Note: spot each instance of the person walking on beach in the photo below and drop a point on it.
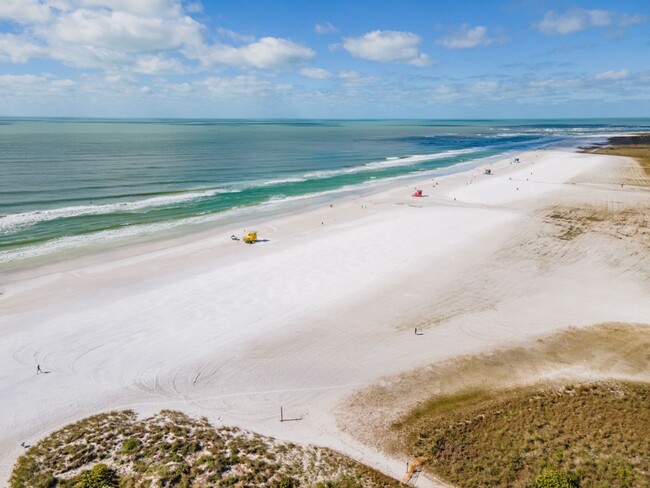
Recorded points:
(38, 369)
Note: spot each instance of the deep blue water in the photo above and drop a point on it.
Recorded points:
(70, 183)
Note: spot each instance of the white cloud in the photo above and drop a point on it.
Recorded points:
(484, 86)
(24, 11)
(388, 47)
(349, 74)
(355, 79)
(155, 8)
(316, 73)
(466, 37)
(144, 36)
(240, 86)
(576, 20)
(33, 87)
(267, 52)
(620, 74)
(538, 90)
(572, 21)
(18, 50)
(104, 34)
(234, 36)
(158, 65)
(194, 7)
(9, 80)
(326, 28)
(65, 83)
(631, 19)
(123, 31)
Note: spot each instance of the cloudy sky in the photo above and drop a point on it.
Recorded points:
(329, 58)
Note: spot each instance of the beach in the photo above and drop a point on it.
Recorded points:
(331, 300)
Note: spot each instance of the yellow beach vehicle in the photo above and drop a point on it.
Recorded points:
(250, 238)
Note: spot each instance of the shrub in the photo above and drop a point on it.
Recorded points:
(131, 445)
(286, 482)
(101, 476)
(340, 482)
(553, 478)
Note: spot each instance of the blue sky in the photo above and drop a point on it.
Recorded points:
(325, 59)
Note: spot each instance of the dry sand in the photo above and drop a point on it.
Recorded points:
(327, 305)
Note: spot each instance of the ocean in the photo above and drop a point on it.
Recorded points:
(76, 185)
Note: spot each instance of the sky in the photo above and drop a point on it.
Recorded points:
(325, 59)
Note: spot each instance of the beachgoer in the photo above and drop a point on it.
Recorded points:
(38, 369)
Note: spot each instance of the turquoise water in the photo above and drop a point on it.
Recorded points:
(70, 183)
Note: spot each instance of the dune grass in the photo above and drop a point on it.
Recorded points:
(595, 434)
(515, 415)
(170, 449)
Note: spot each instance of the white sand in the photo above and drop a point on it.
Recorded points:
(230, 331)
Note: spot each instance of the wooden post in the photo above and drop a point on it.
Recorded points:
(281, 415)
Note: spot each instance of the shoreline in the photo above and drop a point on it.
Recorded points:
(216, 328)
(175, 232)
(182, 234)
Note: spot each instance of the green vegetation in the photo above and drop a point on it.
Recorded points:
(553, 478)
(131, 445)
(341, 482)
(100, 476)
(595, 434)
(170, 449)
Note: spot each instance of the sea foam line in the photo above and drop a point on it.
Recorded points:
(12, 222)
(391, 162)
(72, 242)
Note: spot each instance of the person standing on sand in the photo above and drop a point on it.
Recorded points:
(38, 369)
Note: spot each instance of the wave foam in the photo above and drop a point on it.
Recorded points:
(392, 162)
(12, 222)
(72, 242)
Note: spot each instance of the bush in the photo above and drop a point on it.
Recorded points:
(101, 476)
(553, 478)
(131, 445)
(286, 482)
(340, 482)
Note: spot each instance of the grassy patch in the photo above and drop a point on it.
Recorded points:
(171, 449)
(595, 434)
(398, 415)
(444, 404)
